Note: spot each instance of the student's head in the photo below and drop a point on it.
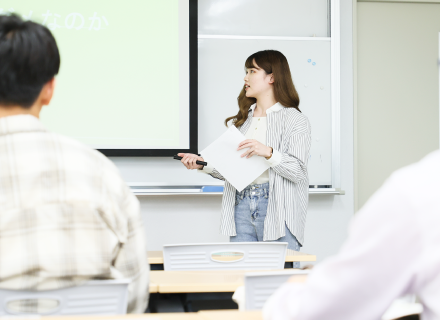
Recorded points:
(29, 60)
(267, 72)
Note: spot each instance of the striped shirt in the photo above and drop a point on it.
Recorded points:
(289, 134)
(66, 216)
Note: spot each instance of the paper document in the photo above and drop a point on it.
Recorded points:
(222, 154)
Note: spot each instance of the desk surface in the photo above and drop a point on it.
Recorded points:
(147, 316)
(202, 315)
(156, 257)
(200, 281)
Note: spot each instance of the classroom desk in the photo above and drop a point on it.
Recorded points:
(155, 258)
(194, 287)
(198, 281)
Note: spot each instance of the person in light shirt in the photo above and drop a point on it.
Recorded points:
(393, 249)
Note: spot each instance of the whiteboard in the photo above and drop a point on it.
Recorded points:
(221, 73)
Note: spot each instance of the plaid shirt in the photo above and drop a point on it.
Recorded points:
(66, 215)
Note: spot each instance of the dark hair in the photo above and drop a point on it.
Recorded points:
(271, 61)
(29, 58)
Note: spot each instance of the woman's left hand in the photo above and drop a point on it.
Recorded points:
(255, 149)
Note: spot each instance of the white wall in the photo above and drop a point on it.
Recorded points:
(178, 219)
(398, 88)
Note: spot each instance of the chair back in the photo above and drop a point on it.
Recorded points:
(98, 297)
(260, 286)
(225, 256)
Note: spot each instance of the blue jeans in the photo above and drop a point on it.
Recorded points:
(250, 212)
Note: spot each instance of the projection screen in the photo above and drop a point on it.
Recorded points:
(128, 79)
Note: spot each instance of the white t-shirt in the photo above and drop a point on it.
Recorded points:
(257, 131)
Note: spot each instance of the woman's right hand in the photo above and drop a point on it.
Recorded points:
(189, 160)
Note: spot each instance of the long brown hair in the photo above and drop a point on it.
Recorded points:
(271, 61)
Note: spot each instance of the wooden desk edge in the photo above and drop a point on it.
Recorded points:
(152, 316)
(231, 314)
(304, 258)
(155, 260)
(201, 315)
(202, 288)
(154, 288)
(299, 258)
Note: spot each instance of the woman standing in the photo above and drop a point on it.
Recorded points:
(274, 206)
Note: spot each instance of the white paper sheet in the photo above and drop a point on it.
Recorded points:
(222, 154)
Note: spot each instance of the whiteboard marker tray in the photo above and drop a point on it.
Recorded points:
(208, 190)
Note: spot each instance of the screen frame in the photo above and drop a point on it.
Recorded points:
(193, 98)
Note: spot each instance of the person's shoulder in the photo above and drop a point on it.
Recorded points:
(298, 120)
(74, 149)
(295, 114)
(79, 157)
(420, 176)
(71, 145)
(430, 164)
(410, 194)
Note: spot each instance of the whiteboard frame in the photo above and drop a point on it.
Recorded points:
(335, 36)
(335, 72)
